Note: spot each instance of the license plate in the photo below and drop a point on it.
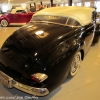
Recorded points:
(6, 80)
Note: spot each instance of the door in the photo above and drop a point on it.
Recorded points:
(12, 17)
(88, 35)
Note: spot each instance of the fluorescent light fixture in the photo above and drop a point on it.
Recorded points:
(4, 8)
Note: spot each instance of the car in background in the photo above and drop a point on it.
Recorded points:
(39, 56)
(15, 17)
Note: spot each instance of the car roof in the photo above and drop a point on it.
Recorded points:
(82, 14)
(13, 11)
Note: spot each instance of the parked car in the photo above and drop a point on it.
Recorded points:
(39, 56)
(15, 17)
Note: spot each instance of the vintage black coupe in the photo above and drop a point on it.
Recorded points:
(39, 56)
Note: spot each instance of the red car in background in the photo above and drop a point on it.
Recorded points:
(15, 17)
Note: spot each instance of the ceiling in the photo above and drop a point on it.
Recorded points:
(37, 1)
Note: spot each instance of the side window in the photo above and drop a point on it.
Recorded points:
(73, 22)
(77, 23)
(70, 21)
(20, 11)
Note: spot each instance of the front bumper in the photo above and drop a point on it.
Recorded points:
(10, 83)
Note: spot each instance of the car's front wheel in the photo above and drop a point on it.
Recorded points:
(75, 64)
(4, 22)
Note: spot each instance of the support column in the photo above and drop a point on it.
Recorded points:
(41, 2)
(35, 6)
(69, 2)
(51, 3)
(83, 3)
(30, 5)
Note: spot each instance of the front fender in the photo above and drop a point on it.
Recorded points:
(6, 18)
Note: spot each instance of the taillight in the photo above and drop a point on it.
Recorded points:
(39, 77)
(35, 79)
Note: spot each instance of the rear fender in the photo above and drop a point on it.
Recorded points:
(59, 66)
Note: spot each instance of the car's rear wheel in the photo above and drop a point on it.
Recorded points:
(4, 22)
(75, 65)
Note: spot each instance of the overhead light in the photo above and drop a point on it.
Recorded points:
(4, 8)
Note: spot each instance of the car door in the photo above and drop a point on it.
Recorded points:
(12, 18)
(29, 16)
(21, 16)
(88, 35)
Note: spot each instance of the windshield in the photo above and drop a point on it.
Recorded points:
(56, 19)
(49, 18)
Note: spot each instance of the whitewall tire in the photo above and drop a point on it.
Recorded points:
(4, 23)
(75, 65)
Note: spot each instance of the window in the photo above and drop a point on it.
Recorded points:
(87, 4)
(79, 4)
(20, 11)
(72, 22)
(54, 19)
(97, 5)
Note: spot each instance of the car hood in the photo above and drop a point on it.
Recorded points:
(5, 14)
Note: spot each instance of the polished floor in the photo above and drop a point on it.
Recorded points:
(84, 86)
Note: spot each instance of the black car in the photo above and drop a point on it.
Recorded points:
(39, 56)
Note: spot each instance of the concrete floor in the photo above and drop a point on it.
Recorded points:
(84, 86)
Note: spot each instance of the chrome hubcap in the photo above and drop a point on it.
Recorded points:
(4, 23)
(76, 63)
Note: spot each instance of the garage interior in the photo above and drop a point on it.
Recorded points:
(84, 86)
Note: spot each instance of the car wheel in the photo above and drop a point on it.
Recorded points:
(4, 23)
(96, 39)
(75, 65)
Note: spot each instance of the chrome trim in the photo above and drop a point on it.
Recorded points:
(6, 80)
(25, 88)
(31, 90)
(17, 23)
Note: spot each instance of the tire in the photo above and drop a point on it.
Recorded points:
(75, 65)
(4, 23)
(96, 39)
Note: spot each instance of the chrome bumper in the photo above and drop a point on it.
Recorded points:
(10, 83)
